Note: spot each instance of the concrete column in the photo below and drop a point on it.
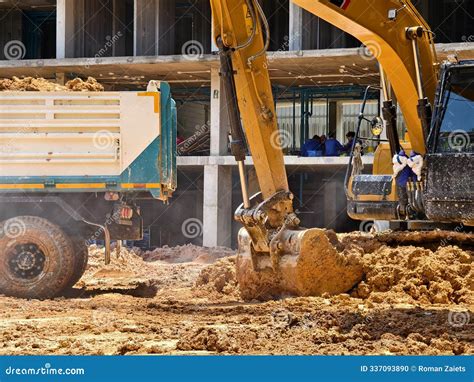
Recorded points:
(64, 28)
(217, 209)
(332, 128)
(214, 47)
(219, 116)
(296, 28)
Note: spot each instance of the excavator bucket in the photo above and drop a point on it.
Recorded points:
(308, 265)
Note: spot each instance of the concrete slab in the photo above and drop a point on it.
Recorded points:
(295, 68)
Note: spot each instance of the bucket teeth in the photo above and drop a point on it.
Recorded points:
(312, 266)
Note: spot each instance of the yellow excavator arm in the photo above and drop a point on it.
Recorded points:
(276, 256)
(238, 30)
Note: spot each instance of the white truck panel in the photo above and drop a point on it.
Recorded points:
(74, 134)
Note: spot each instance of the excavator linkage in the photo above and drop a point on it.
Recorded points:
(308, 265)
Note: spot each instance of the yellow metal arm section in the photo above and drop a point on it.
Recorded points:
(368, 21)
(240, 28)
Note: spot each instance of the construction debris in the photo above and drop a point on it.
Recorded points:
(42, 85)
(185, 300)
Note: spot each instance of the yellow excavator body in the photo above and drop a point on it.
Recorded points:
(276, 256)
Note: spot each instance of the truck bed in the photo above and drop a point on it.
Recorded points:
(88, 141)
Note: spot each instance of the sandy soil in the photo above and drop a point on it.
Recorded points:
(41, 84)
(185, 300)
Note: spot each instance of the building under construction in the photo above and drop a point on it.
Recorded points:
(318, 74)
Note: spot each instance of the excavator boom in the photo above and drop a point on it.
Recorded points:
(276, 256)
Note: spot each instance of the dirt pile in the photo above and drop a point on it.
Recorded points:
(42, 85)
(89, 85)
(187, 253)
(408, 274)
(219, 277)
(169, 301)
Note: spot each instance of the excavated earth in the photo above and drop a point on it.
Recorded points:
(39, 84)
(185, 300)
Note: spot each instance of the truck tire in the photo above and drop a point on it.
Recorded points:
(81, 257)
(36, 258)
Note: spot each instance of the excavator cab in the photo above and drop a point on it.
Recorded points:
(450, 156)
(444, 194)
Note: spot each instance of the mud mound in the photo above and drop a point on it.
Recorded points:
(42, 85)
(408, 273)
(123, 260)
(206, 339)
(219, 277)
(90, 85)
(126, 270)
(29, 84)
(188, 253)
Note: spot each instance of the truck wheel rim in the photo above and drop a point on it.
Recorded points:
(26, 261)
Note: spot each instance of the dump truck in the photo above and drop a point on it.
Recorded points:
(72, 167)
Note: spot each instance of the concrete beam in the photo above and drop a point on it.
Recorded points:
(64, 28)
(289, 161)
(217, 208)
(219, 116)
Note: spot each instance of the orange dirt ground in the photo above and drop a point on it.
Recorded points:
(185, 300)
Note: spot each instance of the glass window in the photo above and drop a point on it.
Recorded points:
(457, 123)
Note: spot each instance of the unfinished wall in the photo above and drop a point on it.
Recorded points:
(318, 34)
(278, 15)
(10, 28)
(193, 23)
(101, 28)
(450, 20)
(154, 27)
(191, 115)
